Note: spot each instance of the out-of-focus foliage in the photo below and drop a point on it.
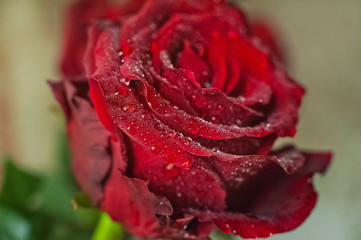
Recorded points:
(40, 207)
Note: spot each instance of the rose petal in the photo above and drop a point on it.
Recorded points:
(272, 202)
(196, 187)
(78, 18)
(266, 33)
(122, 192)
(89, 140)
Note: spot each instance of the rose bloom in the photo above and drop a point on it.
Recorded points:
(172, 108)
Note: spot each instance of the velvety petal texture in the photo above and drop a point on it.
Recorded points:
(172, 109)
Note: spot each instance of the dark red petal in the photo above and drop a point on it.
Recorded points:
(197, 187)
(61, 97)
(183, 122)
(212, 104)
(240, 146)
(89, 140)
(118, 106)
(189, 60)
(204, 101)
(78, 16)
(121, 192)
(289, 159)
(130, 114)
(288, 98)
(272, 202)
(267, 35)
(257, 92)
(217, 60)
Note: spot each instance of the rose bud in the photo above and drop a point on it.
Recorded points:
(172, 109)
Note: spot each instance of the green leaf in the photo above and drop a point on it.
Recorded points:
(108, 229)
(82, 200)
(13, 226)
(18, 187)
(41, 206)
(218, 235)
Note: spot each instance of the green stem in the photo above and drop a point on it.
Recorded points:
(107, 229)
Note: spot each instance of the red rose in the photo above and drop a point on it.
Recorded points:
(186, 101)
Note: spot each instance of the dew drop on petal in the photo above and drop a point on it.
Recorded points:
(121, 92)
(131, 130)
(128, 108)
(214, 120)
(154, 149)
(171, 171)
(172, 134)
(207, 84)
(239, 122)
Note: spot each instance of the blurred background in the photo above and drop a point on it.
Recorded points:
(322, 40)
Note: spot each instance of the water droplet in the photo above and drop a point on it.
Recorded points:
(171, 171)
(131, 130)
(207, 84)
(172, 134)
(154, 149)
(220, 107)
(239, 179)
(179, 195)
(214, 120)
(128, 108)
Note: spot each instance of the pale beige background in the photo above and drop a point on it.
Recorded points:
(323, 39)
